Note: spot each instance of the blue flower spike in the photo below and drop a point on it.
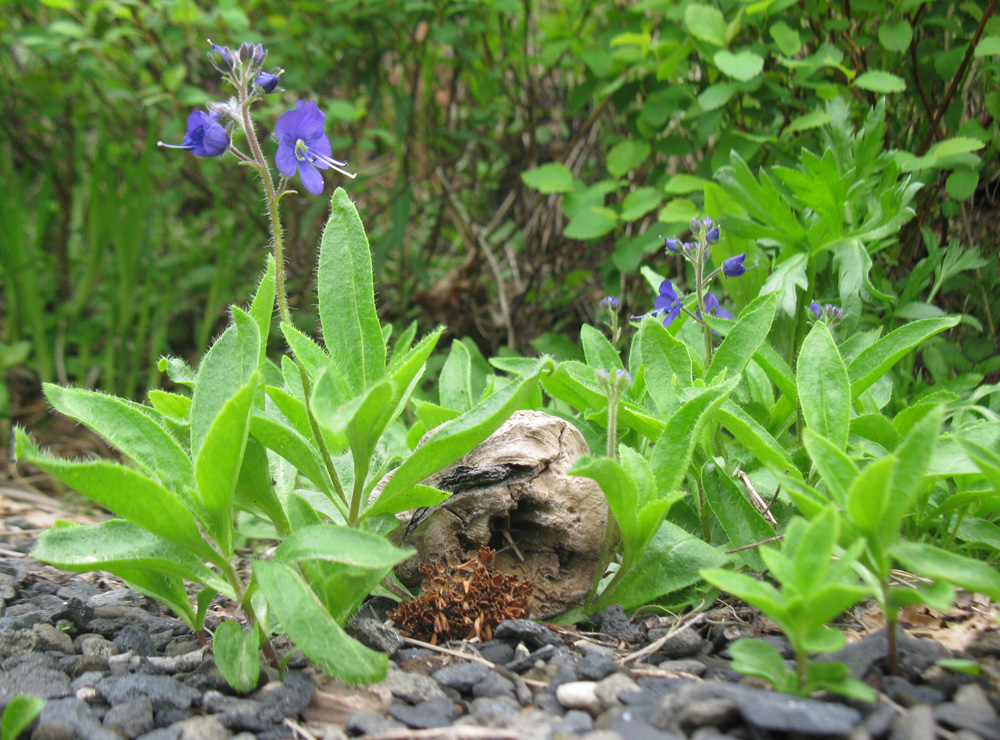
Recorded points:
(304, 146)
(733, 267)
(205, 137)
(827, 312)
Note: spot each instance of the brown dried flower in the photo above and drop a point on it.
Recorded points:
(462, 600)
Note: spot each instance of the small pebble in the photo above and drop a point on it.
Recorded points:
(916, 723)
(609, 689)
(580, 695)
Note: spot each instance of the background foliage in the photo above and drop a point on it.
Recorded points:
(516, 160)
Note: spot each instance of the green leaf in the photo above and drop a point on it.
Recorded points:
(683, 183)
(906, 483)
(744, 338)
(313, 357)
(166, 589)
(880, 82)
(811, 559)
(255, 491)
(823, 385)
(118, 544)
(455, 438)
(706, 24)
(672, 453)
(678, 210)
(130, 428)
(639, 202)
(236, 656)
(928, 561)
(293, 447)
(622, 494)
(627, 155)
(226, 369)
(895, 36)
(806, 121)
(664, 358)
(962, 183)
(455, 381)
(126, 492)
(762, 595)
(339, 544)
(715, 96)
(869, 495)
(598, 350)
(172, 406)
(262, 307)
(220, 458)
(19, 713)
(755, 438)
(988, 46)
(786, 38)
(672, 560)
(552, 177)
(761, 660)
(591, 223)
(742, 523)
(836, 469)
(313, 629)
(873, 362)
(351, 329)
(743, 65)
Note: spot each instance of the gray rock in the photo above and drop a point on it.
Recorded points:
(574, 722)
(687, 665)
(982, 722)
(461, 676)
(51, 638)
(286, 699)
(903, 692)
(615, 623)
(493, 686)
(163, 691)
(412, 687)
(77, 589)
(59, 714)
(683, 644)
(439, 712)
(609, 689)
(34, 675)
(496, 651)
(374, 634)
(972, 695)
(136, 639)
(523, 663)
(117, 597)
(532, 634)
(90, 678)
(23, 616)
(16, 641)
(133, 718)
(720, 712)
(97, 647)
(8, 587)
(879, 721)
(915, 654)
(916, 723)
(488, 712)
(594, 666)
(236, 714)
(370, 723)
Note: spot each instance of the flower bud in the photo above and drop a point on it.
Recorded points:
(673, 245)
(733, 267)
(712, 236)
(268, 81)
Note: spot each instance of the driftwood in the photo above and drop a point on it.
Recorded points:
(512, 494)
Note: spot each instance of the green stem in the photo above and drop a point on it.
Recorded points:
(278, 239)
(699, 270)
(801, 664)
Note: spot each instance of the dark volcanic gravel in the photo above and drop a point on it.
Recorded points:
(112, 664)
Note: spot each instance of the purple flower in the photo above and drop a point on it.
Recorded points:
(827, 312)
(268, 81)
(228, 59)
(610, 303)
(667, 302)
(712, 235)
(712, 307)
(205, 137)
(815, 308)
(733, 267)
(304, 146)
(673, 245)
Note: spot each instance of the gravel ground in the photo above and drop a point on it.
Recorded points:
(112, 664)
